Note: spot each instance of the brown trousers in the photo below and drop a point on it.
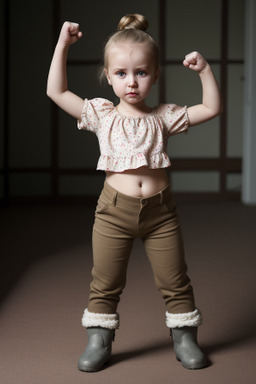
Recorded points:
(119, 219)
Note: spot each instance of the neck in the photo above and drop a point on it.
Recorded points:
(133, 109)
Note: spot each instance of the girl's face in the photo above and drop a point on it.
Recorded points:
(131, 71)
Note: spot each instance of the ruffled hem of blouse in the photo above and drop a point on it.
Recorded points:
(121, 164)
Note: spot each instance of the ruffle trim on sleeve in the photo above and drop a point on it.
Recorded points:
(175, 117)
(92, 112)
(121, 164)
(81, 124)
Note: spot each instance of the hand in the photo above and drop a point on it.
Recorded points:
(70, 33)
(195, 61)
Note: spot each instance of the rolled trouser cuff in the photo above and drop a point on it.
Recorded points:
(103, 320)
(189, 319)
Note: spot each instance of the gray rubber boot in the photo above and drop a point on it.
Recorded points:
(98, 350)
(186, 348)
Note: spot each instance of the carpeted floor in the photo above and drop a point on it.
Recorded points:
(46, 262)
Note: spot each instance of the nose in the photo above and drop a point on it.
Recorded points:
(132, 81)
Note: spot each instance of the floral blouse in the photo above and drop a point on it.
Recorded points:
(131, 142)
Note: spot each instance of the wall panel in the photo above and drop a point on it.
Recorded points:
(236, 17)
(2, 82)
(184, 88)
(49, 157)
(30, 184)
(81, 185)
(193, 26)
(234, 182)
(29, 109)
(235, 110)
(99, 19)
(195, 181)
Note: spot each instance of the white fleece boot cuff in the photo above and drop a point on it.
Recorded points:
(189, 319)
(109, 321)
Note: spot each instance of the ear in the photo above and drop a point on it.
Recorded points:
(107, 76)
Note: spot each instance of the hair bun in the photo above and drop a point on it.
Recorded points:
(133, 21)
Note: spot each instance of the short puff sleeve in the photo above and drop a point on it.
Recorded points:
(175, 118)
(92, 113)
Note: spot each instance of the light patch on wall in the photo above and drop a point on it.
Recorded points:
(234, 182)
(195, 181)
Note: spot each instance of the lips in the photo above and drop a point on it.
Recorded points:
(132, 94)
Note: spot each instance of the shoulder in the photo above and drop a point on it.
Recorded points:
(171, 112)
(93, 112)
(169, 109)
(175, 118)
(98, 104)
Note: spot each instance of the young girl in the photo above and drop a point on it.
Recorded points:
(136, 200)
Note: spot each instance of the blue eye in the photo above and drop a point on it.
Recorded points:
(141, 73)
(120, 74)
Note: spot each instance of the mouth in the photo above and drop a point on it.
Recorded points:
(132, 94)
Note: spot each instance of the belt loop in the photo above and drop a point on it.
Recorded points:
(161, 197)
(115, 199)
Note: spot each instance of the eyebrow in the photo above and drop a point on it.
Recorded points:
(136, 68)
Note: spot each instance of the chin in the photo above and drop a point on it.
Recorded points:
(133, 100)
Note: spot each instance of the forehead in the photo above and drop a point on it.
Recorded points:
(128, 52)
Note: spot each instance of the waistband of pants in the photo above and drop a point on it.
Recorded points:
(118, 198)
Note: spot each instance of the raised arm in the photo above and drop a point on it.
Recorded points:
(57, 84)
(211, 100)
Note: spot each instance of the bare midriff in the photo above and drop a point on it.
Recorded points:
(141, 182)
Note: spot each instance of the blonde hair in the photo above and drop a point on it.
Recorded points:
(133, 21)
(131, 27)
